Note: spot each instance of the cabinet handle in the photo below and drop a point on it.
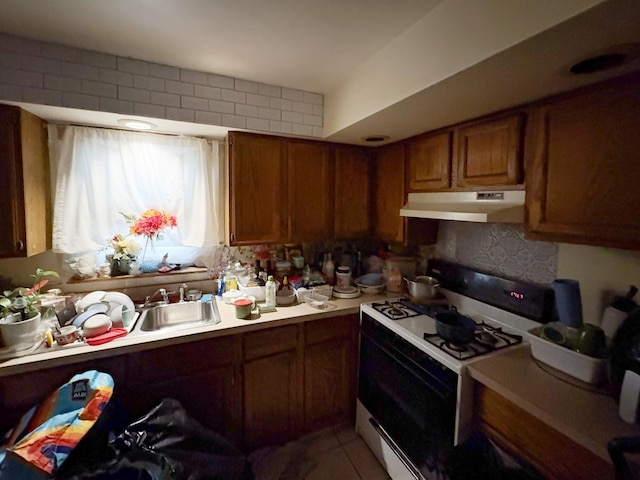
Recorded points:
(20, 245)
(232, 237)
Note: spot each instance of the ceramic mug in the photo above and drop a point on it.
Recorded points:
(591, 340)
(243, 308)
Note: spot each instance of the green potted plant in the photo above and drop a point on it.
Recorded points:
(20, 317)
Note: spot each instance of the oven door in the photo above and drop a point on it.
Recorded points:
(411, 397)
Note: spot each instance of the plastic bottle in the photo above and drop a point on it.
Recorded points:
(270, 292)
(231, 282)
(328, 269)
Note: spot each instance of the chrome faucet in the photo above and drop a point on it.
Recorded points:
(183, 288)
(162, 292)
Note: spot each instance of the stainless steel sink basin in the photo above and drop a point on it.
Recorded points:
(177, 316)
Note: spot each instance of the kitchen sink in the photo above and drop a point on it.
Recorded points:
(174, 316)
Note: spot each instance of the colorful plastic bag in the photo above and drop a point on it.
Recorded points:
(45, 436)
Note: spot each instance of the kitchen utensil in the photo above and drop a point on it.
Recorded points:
(583, 367)
(243, 307)
(568, 301)
(591, 340)
(121, 316)
(285, 297)
(454, 327)
(107, 337)
(553, 334)
(90, 298)
(423, 287)
(371, 283)
(346, 292)
(67, 334)
(193, 295)
(615, 313)
(316, 300)
(96, 325)
(82, 317)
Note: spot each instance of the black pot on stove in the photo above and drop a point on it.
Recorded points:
(454, 327)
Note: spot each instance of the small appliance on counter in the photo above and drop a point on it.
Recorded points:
(625, 367)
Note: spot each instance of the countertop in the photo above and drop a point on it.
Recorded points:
(230, 325)
(590, 419)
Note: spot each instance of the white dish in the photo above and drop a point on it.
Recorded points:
(96, 325)
(588, 369)
(90, 298)
(346, 292)
(117, 298)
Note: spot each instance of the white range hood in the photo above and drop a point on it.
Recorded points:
(505, 207)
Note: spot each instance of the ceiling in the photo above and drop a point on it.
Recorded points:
(370, 58)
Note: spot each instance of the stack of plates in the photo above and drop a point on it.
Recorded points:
(346, 292)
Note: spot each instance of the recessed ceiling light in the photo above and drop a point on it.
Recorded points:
(605, 59)
(136, 124)
(376, 138)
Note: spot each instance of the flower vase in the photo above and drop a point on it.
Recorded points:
(147, 267)
(123, 266)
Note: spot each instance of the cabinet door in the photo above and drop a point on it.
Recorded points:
(583, 169)
(272, 386)
(352, 193)
(271, 390)
(527, 437)
(330, 360)
(257, 188)
(24, 184)
(201, 375)
(389, 193)
(429, 160)
(310, 201)
(490, 153)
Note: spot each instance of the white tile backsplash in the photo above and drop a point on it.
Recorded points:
(52, 74)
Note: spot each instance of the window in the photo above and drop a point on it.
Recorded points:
(98, 174)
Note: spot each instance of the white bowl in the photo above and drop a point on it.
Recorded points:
(371, 283)
(96, 325)
(285, 298)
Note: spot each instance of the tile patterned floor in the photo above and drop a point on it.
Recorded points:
(332, 454)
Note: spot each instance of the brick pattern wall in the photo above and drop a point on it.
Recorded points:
(51, 74)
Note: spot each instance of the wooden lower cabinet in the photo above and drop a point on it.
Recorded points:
(271, 386)
(521, 434)
(330, 368)
(259, 388)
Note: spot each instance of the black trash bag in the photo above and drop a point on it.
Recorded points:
(167, 444)
(480, 459)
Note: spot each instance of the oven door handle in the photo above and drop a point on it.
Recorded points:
(399, 453)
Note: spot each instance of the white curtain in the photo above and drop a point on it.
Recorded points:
(99, 173)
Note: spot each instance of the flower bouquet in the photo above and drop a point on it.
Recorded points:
(125, 249)
(150, 224)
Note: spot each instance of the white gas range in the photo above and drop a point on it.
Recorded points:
(415, 399)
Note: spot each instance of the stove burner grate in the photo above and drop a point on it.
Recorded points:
(479, 345)
(394, 310)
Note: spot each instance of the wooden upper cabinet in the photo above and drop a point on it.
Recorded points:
(310, 200)
(389, 193)
(429, 159)
(24, 184)
(583, 168)
(490, 153)
(257, 188)
(352, 192)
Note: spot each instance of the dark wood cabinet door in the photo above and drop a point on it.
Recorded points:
(271, 399)
(389, 193)
(583, 168)
(527, 437)
(490, 153)
(429, 159)
(257, 188)
(310, 203)
(24, 184)
(330, 366)
(352, 192)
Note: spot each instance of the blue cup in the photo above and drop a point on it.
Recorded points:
(568, 302)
